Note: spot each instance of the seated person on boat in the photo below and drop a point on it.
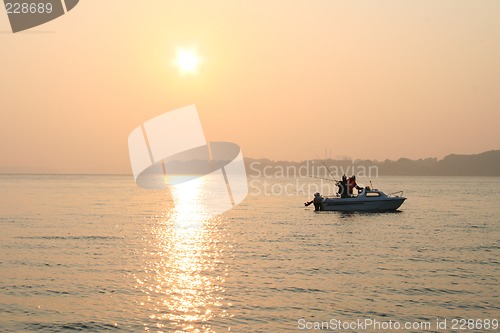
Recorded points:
(318, 199)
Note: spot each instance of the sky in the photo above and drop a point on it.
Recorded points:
(286, 80)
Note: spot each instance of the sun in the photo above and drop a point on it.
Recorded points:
(187, 61)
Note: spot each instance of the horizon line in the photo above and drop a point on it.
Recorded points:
(52, 172)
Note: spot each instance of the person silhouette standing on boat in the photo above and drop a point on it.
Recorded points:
(343, 187)
(352, 184)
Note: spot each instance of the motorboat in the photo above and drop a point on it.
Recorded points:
(367, 200)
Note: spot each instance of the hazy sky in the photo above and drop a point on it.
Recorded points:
(283, 79)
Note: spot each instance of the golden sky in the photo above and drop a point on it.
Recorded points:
(283, 79)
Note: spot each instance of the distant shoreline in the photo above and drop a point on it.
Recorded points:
(486, 164)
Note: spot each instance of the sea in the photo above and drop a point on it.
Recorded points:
(97, 253)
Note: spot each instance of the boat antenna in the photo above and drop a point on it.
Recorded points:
(327, 168)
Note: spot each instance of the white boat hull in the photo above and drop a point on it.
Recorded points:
(353, 205)
(366, 201)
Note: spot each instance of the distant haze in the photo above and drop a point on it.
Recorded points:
(286, 80)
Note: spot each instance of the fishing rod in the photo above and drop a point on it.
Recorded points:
(331, 175)
(327, 168)
(330, 180)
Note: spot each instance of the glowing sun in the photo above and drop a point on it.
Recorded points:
(187, 60)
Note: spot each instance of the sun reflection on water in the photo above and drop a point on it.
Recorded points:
(185, 272)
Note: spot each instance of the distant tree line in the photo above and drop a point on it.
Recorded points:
(483, 164)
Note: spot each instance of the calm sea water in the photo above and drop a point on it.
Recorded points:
(98, 253)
